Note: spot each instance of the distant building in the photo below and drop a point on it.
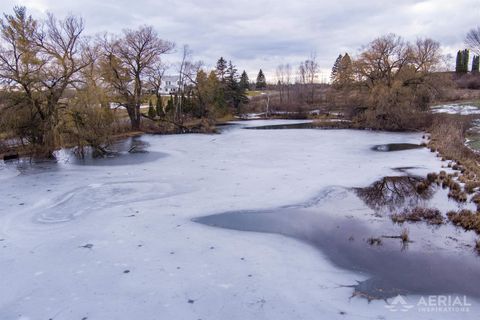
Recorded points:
(170, 85)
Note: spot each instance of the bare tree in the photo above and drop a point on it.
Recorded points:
(473, 39)
(302, 74)
(311, 74)
(183, 75)
(280, 73)
(307, 74)
(155, 75)
(126, 62)
(288, 79)
(426, 55)
(382, 59)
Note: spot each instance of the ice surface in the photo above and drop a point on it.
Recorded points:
(456, 109)
(117, 242)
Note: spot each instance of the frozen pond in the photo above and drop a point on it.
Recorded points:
(89, 240)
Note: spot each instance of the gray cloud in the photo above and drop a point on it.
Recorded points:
(264, 33)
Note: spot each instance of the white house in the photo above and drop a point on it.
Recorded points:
(170, 84)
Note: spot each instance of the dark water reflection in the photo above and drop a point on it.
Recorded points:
(129, 151)
(304, 125)
(391, 270)
(396, 147)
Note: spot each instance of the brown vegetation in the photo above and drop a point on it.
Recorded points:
(448, 138)
(466, 219)
(395, 82)
(417, 214)
(404, 236)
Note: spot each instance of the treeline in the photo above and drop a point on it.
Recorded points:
(390, 84)
(60, 87)
(295, 89)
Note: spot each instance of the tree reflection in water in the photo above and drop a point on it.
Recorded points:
(395, 192)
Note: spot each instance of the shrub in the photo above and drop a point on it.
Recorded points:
(432, 177)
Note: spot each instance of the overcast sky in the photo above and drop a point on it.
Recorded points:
(264, 33)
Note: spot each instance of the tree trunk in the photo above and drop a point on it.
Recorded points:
(134, 115)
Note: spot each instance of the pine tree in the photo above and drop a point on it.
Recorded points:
(261, 83)
(234, 94)
(345, 70)
(244, 81)
(458, 65)
(335, 69)
(159, 107)
(151, 110)
(231, 75)
(221, 69)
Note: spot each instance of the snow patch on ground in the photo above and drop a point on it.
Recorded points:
(456, 109)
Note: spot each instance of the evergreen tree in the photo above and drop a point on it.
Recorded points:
(463, 57)
(151, 110)
(234, 93)
(465, 60)
(215, 93)
(476, 64)
(335, 69)
(346, 70)
(170, 104)
(342, 71)
(221, 69)
(261, 83)
(159, 107)
(458, 65)
(244, 81)
(231, 75)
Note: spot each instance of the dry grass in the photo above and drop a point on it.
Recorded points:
(466, 219)
(476, 199)
(429, 215)
(404, 236)
(471, 186)
(448, 137)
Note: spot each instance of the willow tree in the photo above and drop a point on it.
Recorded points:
(126, 62)
(399, 79)
(40, 60)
